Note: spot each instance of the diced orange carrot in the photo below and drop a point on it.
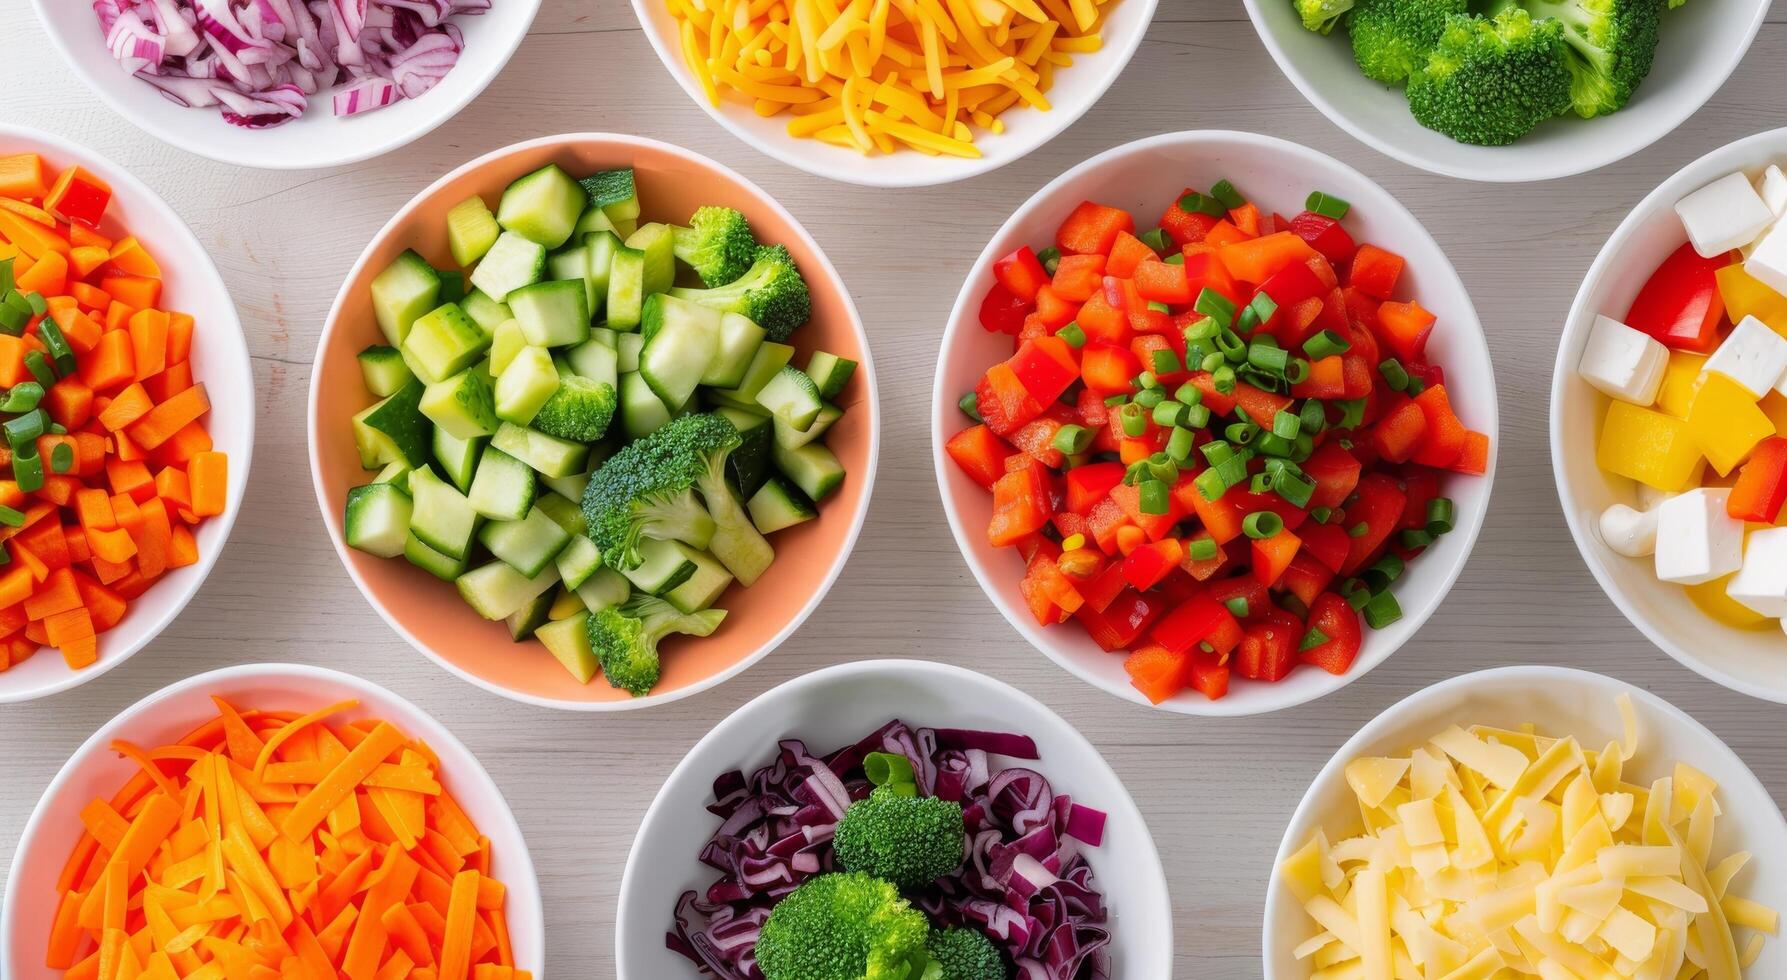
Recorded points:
(80, 330)
(180, 330)
(149, 341)
(16, 585)
(117, 316)
(172, 486)
(22, 176)
(12, 361)
(32, 238)
(57, 593)
(138, 291)
(127, 407)
(129, 256)
(81, 236)
(48, 275)
(69, 402)
(170, 417)
(105, 606)
(183, 549)
(170, 382)
(131, 478)
(185, 444)
(208, 480)
(111, 363)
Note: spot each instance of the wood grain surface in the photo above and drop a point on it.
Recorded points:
(1216, 793)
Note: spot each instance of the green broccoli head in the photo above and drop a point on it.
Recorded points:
(717, 244)
(965, 954)
(908, 840)
(579, 410)
(647, 490)
(1490, 81)
(625, 638)
(1612, 44)
(1392, 37)
(771, 293)
(1321, 15)
(843, 927)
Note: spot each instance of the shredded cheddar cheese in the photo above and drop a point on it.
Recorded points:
(1490, 854)
(880, 75)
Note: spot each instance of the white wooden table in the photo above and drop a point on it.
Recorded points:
(1216, 793)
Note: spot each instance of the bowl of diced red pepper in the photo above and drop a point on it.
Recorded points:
(1214, 423)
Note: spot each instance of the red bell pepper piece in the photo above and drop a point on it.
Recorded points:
(1271, 556)
(1327, 379)
(1340, 624)
(1021, 505)
(1046, 367)
(1156, 526)
(1374, 271)
(1292, 285)
(1326, 543)
(1185, 226)
(1404, 328)
(1002, 311)
(1418, 486)
(1077, 277)
(1761, 486)
(1268, 650)
(1203, 270)
(1241, 586)
(1057, 586)
(1103, 322)
(1248, 502)
(1118, 625)
(1092, 228)
(1102, 589)
(1680, 304)
(1031, 545)
(1146, 345)
(1202, 569)
(1037, 436)
(1443, 440)
(1021, 272)
(1378, 507)
(1127, 252)
(1305, 577)
(1003, 400)
(1042, 608)
(78, 196)
(981, 454)
(1088, 484)
(1221, 517)
(1247, 218)
(1195, 621)
(1400, 432)
(1209, 675)
(1475, 458)
(1147, 565)
(1325, 235)
(1217, 402)
(1108, 369)
(1260, 405)
(1160, 282)
(1054, 310)
(1157, 672)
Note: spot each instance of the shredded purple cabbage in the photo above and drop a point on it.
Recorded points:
(259, 61)
(1025, 884)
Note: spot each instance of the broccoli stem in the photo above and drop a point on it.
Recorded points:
(735, 541)
(680, 517)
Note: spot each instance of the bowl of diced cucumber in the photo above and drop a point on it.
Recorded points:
(593, 422)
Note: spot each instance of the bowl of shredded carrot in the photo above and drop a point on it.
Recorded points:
(895, 93)
(272, 821)
(118, 482)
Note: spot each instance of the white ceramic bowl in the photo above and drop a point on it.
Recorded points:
(1749, 661)
(1143, 177)
(839, 705)
(220, 360)
(1560, 701)
(314, 140)
(1075, 91)
(1701, 45)
(168, 714)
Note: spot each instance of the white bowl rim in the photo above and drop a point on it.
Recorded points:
(1587, 540)
(865, 370)
(1512, 169)
(124, 182)
(1391, 716)
(960, 318)
(438, 734)
(939, 673)
(362, 151)
(875, 171)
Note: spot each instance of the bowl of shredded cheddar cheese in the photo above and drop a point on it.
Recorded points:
(895, 93)
(1530, 821)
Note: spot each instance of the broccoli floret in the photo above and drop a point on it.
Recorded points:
(625, 638)
(1392, 37)
(717, 244)
(1320, 16)
(646, 490)
(1491, 81)
(771, 293)
(1612, 44)
(843, 927)
(965, 954)
(908, 840)
(579, 410)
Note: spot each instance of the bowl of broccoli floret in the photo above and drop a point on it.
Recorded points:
(1507, 90)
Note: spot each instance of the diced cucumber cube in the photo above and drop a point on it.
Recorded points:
(403, 291)
(571, 264)
(594, 221)
(703, 587)
(812, 468)
(655, 240)
(641, 413)
(792, 397)
(681, 339)
(596, 361)
(580, 559)
(605, 588)
(525, 384)
(458, 458)
(487, 313)
(728, 398)
(571, 487)
(663, 566)
(779, 504)
(748, 465)
(599, 249)
(462, 405)
(738, 343)
(768, 362)
(548, 455)
(377, 519)
(396, 473)
(614, 192)
(505, 343)
(495, 591)
(627, 347)
(788, 437)
(565, 604)
(830, 372)
(568, 642)
(504, 487)
(441, 517)
(513, 262)
(383, 369)
(524, 621)
(401, 421)
(527, 545)
(563, 511)
(452, 285)
(543, 206)
(376, 448)
(471, 230)
(552, 314)
(626, 288)
(443, 342)
(443, 567)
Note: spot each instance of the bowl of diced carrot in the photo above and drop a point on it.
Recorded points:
(118, 483)
(272, 820)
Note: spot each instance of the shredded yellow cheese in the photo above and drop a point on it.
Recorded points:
(1489, 854)
(880, 75)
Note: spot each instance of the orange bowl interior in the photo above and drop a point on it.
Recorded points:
(672, 183)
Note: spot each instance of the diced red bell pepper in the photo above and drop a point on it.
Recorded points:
(1209, 675)
(78, 196)
(981, 454)
(1041, 607)
(1293, 284)
(1680, 304)
(1326, 379)
(1093, 411)
(1077, 277)
(1003, 400)
(1333, 315)
(1037, 436)
(1248, 501)
(1475, 458)
(1067, 523)
(1260, 405)
(1046, 367)
(1400, 432)
(1271, 556)
(1092, 228)
(1443, 440)
(1356, 376)
(1326, 543)
(1185, 226)
(1200, 619)
(1144, 567)
(1021, 505)
(1338, 621)
(1306, 577)
(1203, 270)
(1003, 311)
(1202, 569)
(1034, 328)
(1247, 218)
(1215, 400)
(1058, 587)
(1374, 271)
(1088, 484)
(1108, 368)
(1021, 272)
(1146, 345)
(1292, 325)
(1161, 282)
(1117, 626)
(1418, 487)
(1221, 517)
(1156, 526)
(1054, 310)
(1157, 672)
(1241, 586)
(1404, 328)
(1761, 486)
(1378, 507)
(1105, 519)
(1325, 235)
(1104, 323)
(1268, 650)
(1127, 252)
(1324, 272)
(1104, 587)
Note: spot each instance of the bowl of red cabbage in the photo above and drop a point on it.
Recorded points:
(900, 820)
(287, 84)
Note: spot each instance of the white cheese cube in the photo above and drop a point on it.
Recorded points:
(1724, 215)
(1772, 188)
(1752, 355)
(1625, 363)
(1762, 582)
(1696, 540)
(1767, 261)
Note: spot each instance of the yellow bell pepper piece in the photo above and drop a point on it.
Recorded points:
(1650, 447)
(1681, 379)
(1713, 600)
(1745, 295)
(1726, 423)
(1774, 405)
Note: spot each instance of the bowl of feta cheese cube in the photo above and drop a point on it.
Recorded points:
(1669, 416)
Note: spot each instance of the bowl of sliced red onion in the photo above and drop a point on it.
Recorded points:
(287, 84)
(1058, 872)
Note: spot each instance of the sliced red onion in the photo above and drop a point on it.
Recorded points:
(134, 44)
(364, 96)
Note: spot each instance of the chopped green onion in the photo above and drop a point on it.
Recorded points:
(1201, 549)
(888, 768)
(1146, 380)
(1261, 483)
(1262, 524)
(1262, 306)
(1133, 475)
(1326, 205)
(1215, 306)
(1073, 440)
(1202, 204)
(62, 458)
(1180, 443)
(23, 397)
(1209, 485)
(1241, 433)
(13, 518)
(1415, 386)
(1226, 193)
(1154, 498)
(1312, 418)
(1166, 362)
(1352, 413)
(1287, 424)
(1269, 359)
(1162, 468)
(1148, 398)
(1050, 258)
(1237, 606)
(970, 406)
(1312, 639)
(1232, 346)
(1304, 448)
(1325, 344)
(1133, 419)
(1074, 334)
(1394, 373)
(1274, 445)
(1320, 515)
(1159, 307)
(1114, 400)
(1203, 329)
(1358, 530)
(1196, 417)
(39, 305)
(27, 469)
(1189, 394)
(1297, 371)
(1381, 610)
(1231, 471)
(1415, 538)
(56, 345)
(1212, 361)
(1439, 516)
(1169, 414)
(1216, 452)
(58, 429)
(26, 429)
(1223, 379)
(1295, 488)
(1156, 239)
(39, 366)
(6, 280)
(1357, 598)
(1382, 572)
(1177, 258)
(15, 313)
